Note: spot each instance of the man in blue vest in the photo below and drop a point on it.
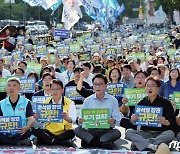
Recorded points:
(16, 105)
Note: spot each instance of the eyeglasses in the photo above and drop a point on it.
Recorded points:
(98, 84)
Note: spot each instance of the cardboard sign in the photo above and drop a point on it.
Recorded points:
(49, 112)
(71, 93)
(148, 115)
(95, 118)
(10, 124)
(27, 85)
(134, 95)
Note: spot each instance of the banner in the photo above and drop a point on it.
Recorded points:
(3, 84)
(85, 56)
(41, 50)
(49, 112)
(75, 48)
(36, 67)
(10, 124)
(28, 47)
(115, 89)
(63, 50)
(7, 59)
(71, 93)
(95, 118)
(3, 52)
(134, 95)
(27, 85)
(176, 99)
(61, 33)
(148, 115)
(17, 55)
(37, 99)
(110, 51)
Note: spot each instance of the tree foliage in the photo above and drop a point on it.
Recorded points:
(168, 5)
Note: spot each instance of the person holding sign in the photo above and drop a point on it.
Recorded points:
(16, 105)
(116, 87)
(127, 110)
(5, 72)
(173, 83)
(149, 137)
(96, 136)
(58, 133)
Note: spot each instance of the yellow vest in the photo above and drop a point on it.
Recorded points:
(58, 128)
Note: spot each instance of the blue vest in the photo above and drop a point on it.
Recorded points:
(20, 109)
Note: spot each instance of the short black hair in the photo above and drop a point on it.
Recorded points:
(141, 71)
(111, 72)
(100, 76)
(19, 68)
(127, 66)
(23, 62)
(48, 74)
(178, 78)
(156, 69)
(56, 81)
(87, 64)
(70, 60)
(161, 57)
(78, 69)
(35, 76)
(156, 80)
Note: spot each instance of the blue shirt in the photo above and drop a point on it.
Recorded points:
(163, 91)
(171, 88)
(110, 102)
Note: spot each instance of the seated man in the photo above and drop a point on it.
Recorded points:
(56, 133)
(150, 137)
(100, 137)
(16, 105)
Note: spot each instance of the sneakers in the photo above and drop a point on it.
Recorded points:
(25, 142)
(163, 149)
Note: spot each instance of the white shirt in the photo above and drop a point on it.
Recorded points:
(71, 111)
(5, 73)
(59, 76)
(68, 77)
(89, 79)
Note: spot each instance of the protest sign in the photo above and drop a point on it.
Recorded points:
(37, 99)
(17, 55)
(95, 118)
(11, 40)
(95, 48)
(63, 50)
(140, 55)
(27, 85)
(36, 67)
(85, 56)
(89, 41)
(75, 47)
(148, 115)
(3, 84)
(49, 112)
(71, 93)
(41, 50)
(61, 33)
(10, 124)
(110, 51)
(134, 95)
(115, 89)
(28, 47)
(176, 99)
(3, 52)
(20, 39)
(171, 53)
